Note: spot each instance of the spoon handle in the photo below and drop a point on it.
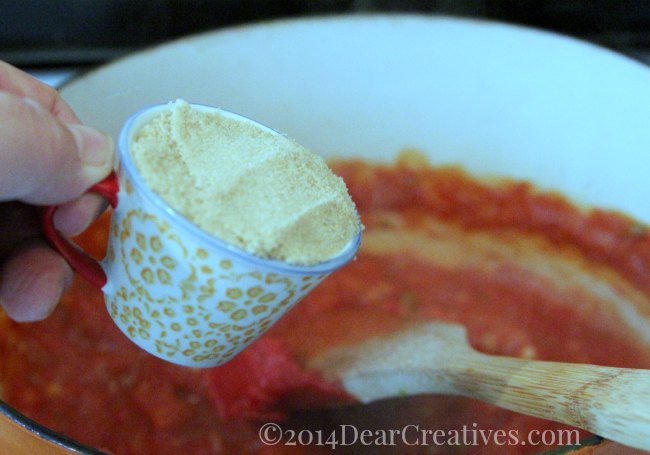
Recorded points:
(611, 402)
(436, 358)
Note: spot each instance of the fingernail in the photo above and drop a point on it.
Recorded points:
(94, 147)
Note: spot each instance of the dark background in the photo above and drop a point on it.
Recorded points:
(45, 33)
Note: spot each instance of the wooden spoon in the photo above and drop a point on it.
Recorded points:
(436, 358)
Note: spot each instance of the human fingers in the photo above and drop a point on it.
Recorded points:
(23, 85)
(32, 282)
(72, 218)
(44, 160)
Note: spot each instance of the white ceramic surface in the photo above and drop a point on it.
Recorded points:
(498, 99)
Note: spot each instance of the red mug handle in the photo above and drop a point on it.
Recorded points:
(81, 262)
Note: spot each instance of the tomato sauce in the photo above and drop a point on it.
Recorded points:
(528, 274)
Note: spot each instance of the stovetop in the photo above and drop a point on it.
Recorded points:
(55, 39)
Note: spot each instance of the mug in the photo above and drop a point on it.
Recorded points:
(175, 290)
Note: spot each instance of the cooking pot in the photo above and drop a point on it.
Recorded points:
(497, 99)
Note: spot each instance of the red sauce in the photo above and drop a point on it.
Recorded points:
(77, 374)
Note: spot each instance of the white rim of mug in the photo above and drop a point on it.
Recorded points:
(128, 166)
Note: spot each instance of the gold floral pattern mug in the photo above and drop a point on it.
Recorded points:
(175, 290)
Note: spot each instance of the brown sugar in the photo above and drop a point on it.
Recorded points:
(247, 185)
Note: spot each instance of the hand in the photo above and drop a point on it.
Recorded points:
(46, 157)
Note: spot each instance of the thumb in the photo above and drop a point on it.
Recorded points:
(45, 161)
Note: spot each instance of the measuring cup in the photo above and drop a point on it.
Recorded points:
(175, 290)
